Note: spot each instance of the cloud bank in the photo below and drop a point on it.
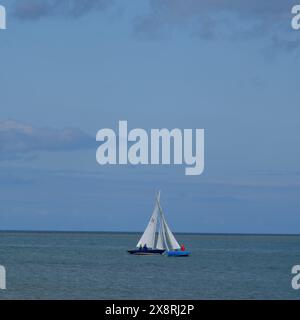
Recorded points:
(207, 19)
(204, 19)
(18, 140)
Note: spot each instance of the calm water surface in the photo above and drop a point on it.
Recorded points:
(96, 266)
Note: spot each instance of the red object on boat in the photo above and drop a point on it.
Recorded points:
(182, 247)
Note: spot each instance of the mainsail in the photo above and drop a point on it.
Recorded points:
(165, 238)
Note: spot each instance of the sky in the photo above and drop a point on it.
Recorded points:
(70, 68)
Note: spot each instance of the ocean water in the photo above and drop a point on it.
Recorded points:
(97, 266)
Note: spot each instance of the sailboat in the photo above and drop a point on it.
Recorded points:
(158, 238)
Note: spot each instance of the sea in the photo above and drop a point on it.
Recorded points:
(82, 265)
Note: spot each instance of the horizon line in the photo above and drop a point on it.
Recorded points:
(134, 232)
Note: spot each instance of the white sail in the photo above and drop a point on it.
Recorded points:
(165, 235)
(160, 243)
(148, 237)
(165, 238)
(170, 237)
(161, 239)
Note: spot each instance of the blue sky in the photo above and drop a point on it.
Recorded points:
(70, 68)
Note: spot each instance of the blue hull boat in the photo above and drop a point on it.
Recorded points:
(145, 252)
(178, 253)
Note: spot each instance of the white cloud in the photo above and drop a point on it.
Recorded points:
(17, 140)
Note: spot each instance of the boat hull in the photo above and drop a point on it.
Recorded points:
(148, 252)
(178, 253)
